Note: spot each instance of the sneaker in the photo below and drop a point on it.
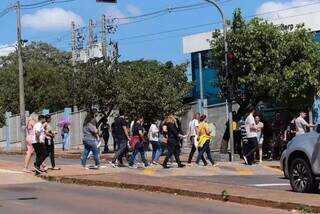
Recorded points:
(85, 168)
(181, 165)
(121, 165)
(37, 169)
(112, 164)
(165, 167)
(245, 160)
(133, 167)
(95, 167)
(155, 163)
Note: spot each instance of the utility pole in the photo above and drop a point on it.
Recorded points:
(21, 80)
(228, 75)
(104, 35)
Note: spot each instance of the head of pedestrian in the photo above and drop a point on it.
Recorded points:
(33, 117)
(121, 113)
(252, 110)
(42, 119)
(257, 119)
(48, 118)
(196, 116)
(203, 118)
(140, 119)
(303, 114)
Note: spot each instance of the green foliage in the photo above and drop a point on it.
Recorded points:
(272, 62)
(46, 77)
(152, 89)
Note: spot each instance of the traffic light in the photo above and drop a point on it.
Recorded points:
(106, 1)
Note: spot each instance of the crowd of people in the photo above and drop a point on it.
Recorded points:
(132, 140)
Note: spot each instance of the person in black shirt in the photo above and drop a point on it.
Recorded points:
(173, 143)
(104, 128)
(122, 137)
(115, 141)
(137, 142)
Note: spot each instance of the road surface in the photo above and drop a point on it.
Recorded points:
(55, 198)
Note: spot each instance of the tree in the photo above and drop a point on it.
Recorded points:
(47, 71)
(96, 84)
(271, 62)
(152, 89)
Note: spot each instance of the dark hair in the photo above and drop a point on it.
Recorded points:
(251, 109)
(48, 117)
(203, 117)
(88, 119)
(41, 117)
(121, 112)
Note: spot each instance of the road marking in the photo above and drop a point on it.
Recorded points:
(269, 185)
(149, 171)
(10, 171)
(245, 172)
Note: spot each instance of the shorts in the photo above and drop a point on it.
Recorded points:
(260, 142)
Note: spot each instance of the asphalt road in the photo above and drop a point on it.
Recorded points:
(58, 198)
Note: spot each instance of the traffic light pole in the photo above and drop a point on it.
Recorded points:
(21, 80)
(230, 93)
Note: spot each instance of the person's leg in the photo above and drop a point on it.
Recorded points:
(133, 156)
(143, 154)
(44, 153)
(53, 163)
(86, 150)
(169, 154)
(176, 153)
(37, 149)
(121, 150)
(200, 154)
(27, 160)
(260, 152)
(159, 151)
(154, 150)
(208, 151)
(252, 145)
(193, 149)
(105, 139)
(95, 152)
(115, 144)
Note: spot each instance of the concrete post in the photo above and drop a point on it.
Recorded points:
(8, 129)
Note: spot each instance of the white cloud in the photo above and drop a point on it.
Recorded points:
(51, 19)
(133, 10)
(5, 50)
(303, 11)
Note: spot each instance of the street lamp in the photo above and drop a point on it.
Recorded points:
(229, 97)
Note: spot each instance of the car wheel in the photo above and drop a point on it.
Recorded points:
(301, 177)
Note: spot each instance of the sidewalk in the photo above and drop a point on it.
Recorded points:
(174, 181)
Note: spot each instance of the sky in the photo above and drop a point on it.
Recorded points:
(52, 23)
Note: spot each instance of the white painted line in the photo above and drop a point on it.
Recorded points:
(10, 171)
(269, 185)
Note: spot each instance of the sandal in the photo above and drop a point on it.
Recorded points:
(55, 168)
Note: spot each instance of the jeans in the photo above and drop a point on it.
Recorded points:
(138, 149)
(156, 150)
(66, 141)
(90, 146)
(121, 150)
(41, 153)
(249, 149)
(193, 150)
(205, 149)
(106, 140)
(50, 151)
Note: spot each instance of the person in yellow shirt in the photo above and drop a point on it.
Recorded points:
(204, 140)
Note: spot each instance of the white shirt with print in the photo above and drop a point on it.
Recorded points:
(248, 123)
(39, 128)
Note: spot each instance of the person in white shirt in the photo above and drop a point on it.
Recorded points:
(302, 124)
(252, 140)
(193, 134)
(38, 143)
(153, 136)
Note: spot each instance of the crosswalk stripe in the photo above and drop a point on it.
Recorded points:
(270, 185)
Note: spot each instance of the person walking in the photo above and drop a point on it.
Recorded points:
(90, 139)
(136, 143)
(115, 140)
(260, 138)
(291, 130)
(193, 133)
(204, 141)
(65, 137)
(173, 144)
(105, 129)
(122, 137)
(38, 143)
(252, 141)
(30, 136)
(153, 136)
(49, 142)
(302, 124)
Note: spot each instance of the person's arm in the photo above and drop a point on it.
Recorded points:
(206, 129)
(141, 134)
(174, 130)
(94, 131)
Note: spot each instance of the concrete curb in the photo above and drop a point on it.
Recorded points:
(196, 194)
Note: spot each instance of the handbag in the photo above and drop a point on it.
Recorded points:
(134, 141)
